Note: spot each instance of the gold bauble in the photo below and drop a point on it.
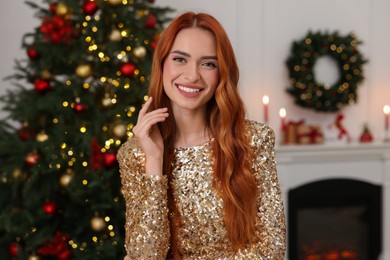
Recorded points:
(42, 137)
(115, 35)
(65, 179)
(34, 257)
(63, 9)
(84, 70)
(118, 129)
(139, 52)
(106, 101)
(114, 2)
(46, 75)
(98, 223)
(16, 173)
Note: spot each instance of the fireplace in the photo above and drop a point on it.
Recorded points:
(346, 188)
(334, 219)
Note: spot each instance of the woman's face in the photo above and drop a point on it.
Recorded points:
(190, 72)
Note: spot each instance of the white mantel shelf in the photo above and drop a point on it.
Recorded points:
(301, 164)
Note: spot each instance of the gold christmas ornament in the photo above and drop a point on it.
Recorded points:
(98, 223)
(106, 101)
(46, 75)
(139, 52)
(34, 257)
(115, 35)
(42, 137)
(65, 179)
(16, 173)
(84, 70)
(114, 2)
(118, 129)
(63, 9)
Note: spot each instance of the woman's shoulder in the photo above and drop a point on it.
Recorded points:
(260, 133)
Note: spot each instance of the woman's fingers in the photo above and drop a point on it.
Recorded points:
(145, 107)
(143, 127)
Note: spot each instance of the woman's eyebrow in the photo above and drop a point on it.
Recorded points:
(212, 57)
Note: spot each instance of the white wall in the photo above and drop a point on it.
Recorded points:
(261, 32)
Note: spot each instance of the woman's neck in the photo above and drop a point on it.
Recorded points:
(191, 129)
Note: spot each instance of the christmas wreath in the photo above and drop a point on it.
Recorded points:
(306, 90)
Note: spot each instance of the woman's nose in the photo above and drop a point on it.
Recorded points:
(192, 73)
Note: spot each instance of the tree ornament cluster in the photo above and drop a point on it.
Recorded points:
(304, 87)
(78, 91)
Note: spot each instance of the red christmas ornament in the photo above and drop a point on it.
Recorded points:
(57, 29)
(32, 53)
(151, 21)
(56, 247)
(90, 7)
(366, 136)
(32, 159)
(65, 254)
(96, 159)
(127, 69)
(80, 107)
(109, 159)
(25, 133)
(41, 85)
(13, 250)
(49, 208)
(53, 8)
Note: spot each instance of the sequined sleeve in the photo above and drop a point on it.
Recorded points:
(147, 227)
(270, 224)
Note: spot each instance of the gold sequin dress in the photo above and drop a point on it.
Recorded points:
(203, 234)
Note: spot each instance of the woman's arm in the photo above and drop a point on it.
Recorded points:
(147, 226)
(270, 222)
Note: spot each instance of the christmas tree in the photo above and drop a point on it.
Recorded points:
(75, 101)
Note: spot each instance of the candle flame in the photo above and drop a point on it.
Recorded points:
(386, 109)
(282, 112)
(265, 100)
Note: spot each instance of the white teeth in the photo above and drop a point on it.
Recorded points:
(188, 90)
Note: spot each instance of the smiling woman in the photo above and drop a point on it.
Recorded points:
(190, 72)
(199, 180)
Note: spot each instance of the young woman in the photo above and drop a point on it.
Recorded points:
(199, 180)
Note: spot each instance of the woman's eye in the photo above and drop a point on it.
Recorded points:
(179, 59)
(210, 64)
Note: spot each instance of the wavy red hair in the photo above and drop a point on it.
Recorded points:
(231, 148)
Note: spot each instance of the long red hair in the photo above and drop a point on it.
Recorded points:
(231, 148)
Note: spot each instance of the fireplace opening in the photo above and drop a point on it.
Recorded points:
(334, 219)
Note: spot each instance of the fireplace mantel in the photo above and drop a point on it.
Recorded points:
(301, 164)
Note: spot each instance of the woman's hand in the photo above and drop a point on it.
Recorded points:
(126, 258)
(149, 137)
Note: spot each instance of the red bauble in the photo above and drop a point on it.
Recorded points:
(13, 250)
(49, 207)
(53, 8)
(109, 159)
(366, 136)
(151, 21)
(90, 7)
(25, 133)
(32, 159)
(65, 254)
(127, 69)
(32, 53)
(80, 107)
(41, 85)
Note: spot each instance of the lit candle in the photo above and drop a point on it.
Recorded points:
(386, 110)
(282, 114)
(265, 105)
